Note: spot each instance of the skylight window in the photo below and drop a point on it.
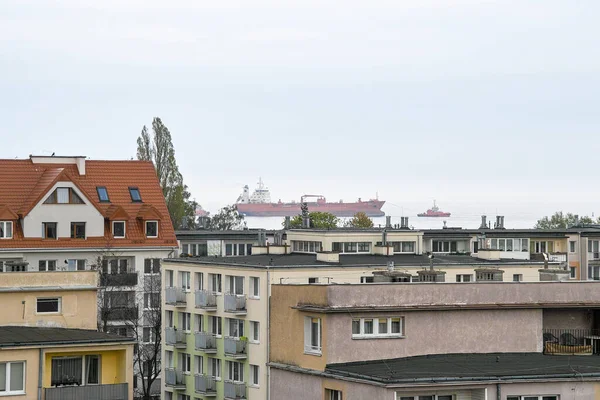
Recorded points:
(102, 194)
(135, 194)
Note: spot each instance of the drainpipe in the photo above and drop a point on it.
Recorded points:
(498, 392)
(268, 334)
(40, 366)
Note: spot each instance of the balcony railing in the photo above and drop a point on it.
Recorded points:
(206, 342)
(175, 296)
(235, 390)
(571, 341)
(120, 313)
(206, 300)
(205, 385)
(235, 347)
(176, 338)
(174, 378)
(124, 279)
(117, 391)
(235, 303)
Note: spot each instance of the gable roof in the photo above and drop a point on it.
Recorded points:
(23, 184)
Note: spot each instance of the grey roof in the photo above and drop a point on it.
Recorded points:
(16, 336)
(208, 234)
(470, 367)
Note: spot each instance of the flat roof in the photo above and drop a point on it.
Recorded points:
(469, 367)
(20, 336)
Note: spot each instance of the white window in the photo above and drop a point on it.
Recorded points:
(215, 325)
(517, 277)
(235, 371)
(75, 370)
(214, 368)
(403, 396)
(534, 397)
(367, 279)
(6, 229)
(47, 265)
(464, 278)
(168, 359)
(254, 287)
(12, 378)
(184, 280)
(235, 327)
(254, 375)
(214, 283)
(254, 331)
(185, 362)
(312, 335)
(151, 229)
(377, 327)
(572, 244)
(76, 265)
(199, 276)
(331, 394)
(199, 363)
(235, 284)
(169, 278)
(118, 229)
(48, 305)
(185, 321)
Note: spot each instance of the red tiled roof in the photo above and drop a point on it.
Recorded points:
(23, 184)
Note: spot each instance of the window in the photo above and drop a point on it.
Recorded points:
(214, 283)
(350, 247)
(572, 246)
(235, 371)
(235, 284)
(185, 362)
(151, 300)
(152, 266)
(254, 287)
(254, 331)
(117, 266)
(47, 265)
(199, 326)
(183, 396)
(135, 194)
(313, 280)
(12, 378)
(6, 229)
(169, 318)
(118, 229)
(148, 335)
(214, 368)
(102, 194)
(64, 196)
(168, 359)
(77, 230)
(312, 335)
(364, 247)
(185, 280)
(254, 375)
(300, 246)
(199, 277)
(151, 229)
(593, 273)
(199, 363)
(367, 279)
(517, 277)
(464, 278)
(377, 327)
(185, 321)
(49, 230)
(531, 397)
(76, 265)
(331, 394)
(215, 325)
(67, 371)
(573, 272)
(236, 327)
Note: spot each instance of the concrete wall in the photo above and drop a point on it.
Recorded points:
(568, 319)
(63, 214)
(31, 358)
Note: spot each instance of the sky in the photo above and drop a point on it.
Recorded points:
(486, 106)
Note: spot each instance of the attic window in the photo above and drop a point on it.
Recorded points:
(64, 196)
(102, 194)
(135, 194)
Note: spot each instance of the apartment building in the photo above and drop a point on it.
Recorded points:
(525, 341)
(74, 214)
(208, 242)
(49, 345)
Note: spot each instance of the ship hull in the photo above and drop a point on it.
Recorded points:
(441, 215)
(370, 208)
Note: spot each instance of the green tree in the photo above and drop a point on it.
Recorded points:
(159, 149)
(228, 218)
(360, 220)
(318, 219)
(561, 221)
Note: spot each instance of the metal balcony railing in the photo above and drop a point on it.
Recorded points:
(206, 342)
(235, 390)
(175, 337)
(205, 385)
(235, 347)
(235, 303)
(123, 279)
(118, 391)
(175, 296)
(174, 378)
(571, 341)
(206, 300)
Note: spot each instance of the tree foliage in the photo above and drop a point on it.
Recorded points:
(561, 221)
(318, 219)
(360, 220)
(228, 218)
(159, 149)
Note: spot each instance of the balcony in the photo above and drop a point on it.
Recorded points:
(235, 390)
(174, 378)
(235, 348)
(117, 391)
(121, 313)
(175, 296)
(206, 300)
(571, 341)
(235, 304)
(207, 342)
(205, 385)
(125, 279)
(176, 338)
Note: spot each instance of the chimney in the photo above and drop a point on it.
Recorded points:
(497, 224)
(445, 227)
(403, 222)
(384, 238)
(305, 222)
(79, 161)
(483, 222)
(576, 220)
(388, 221)
(262, 238)
(287, 222)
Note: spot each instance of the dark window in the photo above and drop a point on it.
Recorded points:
(151, 229)
(49, 230)
(102, 194)
(48, 305)
(313, 280)
(135, 194)
(228, 249)
(152, 265)
(47, 265)
(119, 229)
(77, 230)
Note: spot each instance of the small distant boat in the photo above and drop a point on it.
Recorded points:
(434, 212)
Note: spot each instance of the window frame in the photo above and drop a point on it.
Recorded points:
(45, 226)
(231, 372)
(98, 189)
(375, 334)
(124, 229)
(46, 264)
(4, 230)
(309, 348)
(59, 306)
(254, 282)
(254, 373)
(74, 226)
(214, 368)
(7, 377)
(132, 190)
(153, 221)
(254, 336)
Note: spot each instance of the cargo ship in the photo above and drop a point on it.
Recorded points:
(258, 204)
(434, 212)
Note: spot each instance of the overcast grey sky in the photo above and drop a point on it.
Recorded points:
(480, 104)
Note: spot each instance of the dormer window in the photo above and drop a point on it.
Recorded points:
(102, 194)
(135, 195)
(6, 229)
(151, 229)
(64, 196)
(118, 229)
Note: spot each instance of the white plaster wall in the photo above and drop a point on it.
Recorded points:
(63, 215)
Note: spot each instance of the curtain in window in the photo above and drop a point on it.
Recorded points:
(92, 370)
(66, 371)
(16, 376)
(2, 377)
(62, 195)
